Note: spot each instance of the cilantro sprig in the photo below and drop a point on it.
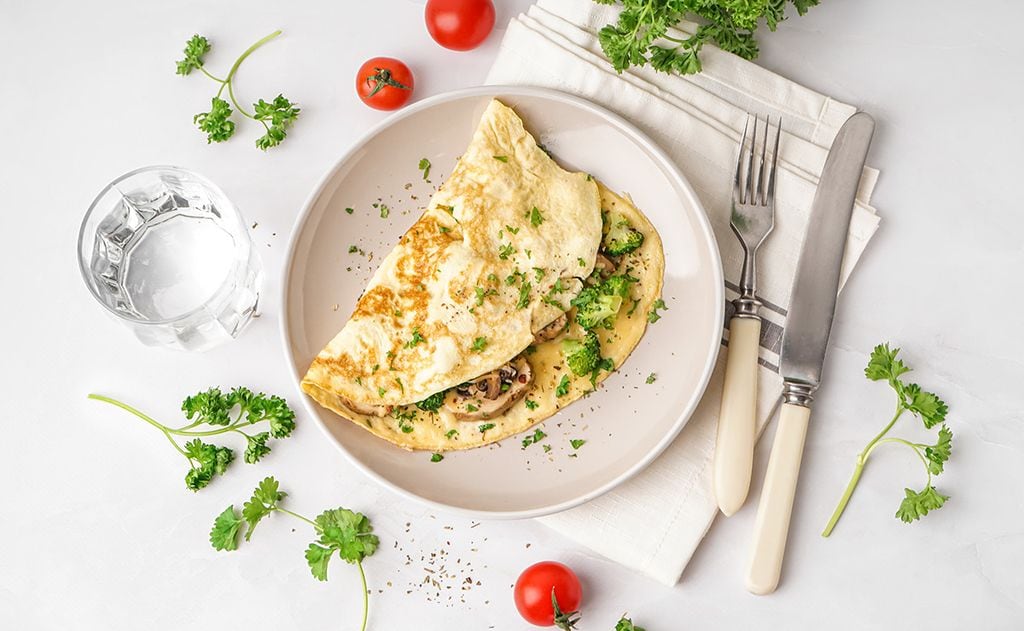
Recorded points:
(222, 413)
(640, 35)
(275, 115)
(338, 530)
(884, 366)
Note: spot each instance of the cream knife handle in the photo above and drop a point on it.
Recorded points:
(772, 523)
(734, 447)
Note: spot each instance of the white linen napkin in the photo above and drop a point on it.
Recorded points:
(654, 522)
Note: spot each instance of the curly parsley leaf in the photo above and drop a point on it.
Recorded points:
(195, 48)
(641, 35)
(207, 462)
(276, 117)
(210, 407)
(256, 447)
(217, 123)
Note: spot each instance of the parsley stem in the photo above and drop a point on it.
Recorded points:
(893, 439)
(366, 595)
(234, 69)
(917, 450)
(241, 110)
(899, 412)
(298, 516)
(203, 70)
(160, 426)
(862, 459)
(211, 432)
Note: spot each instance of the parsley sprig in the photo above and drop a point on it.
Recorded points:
(884, 366)
(275, 116)
(640, 36)
(340, 530)
(223, 412)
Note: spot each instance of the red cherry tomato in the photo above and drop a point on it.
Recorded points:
(384, 83)
(533, 593)
(459, 24)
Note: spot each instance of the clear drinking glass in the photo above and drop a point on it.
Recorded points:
(166, 252)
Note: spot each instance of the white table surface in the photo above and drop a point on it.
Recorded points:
(98, 532)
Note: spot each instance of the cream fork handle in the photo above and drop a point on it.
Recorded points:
(734, 446)
(771, 526)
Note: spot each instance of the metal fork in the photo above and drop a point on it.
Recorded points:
(752, 219)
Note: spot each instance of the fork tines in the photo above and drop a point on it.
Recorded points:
(750, 186)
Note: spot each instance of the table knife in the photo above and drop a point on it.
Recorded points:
(808, 324)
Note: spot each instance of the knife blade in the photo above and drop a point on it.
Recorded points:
(812, 303)
(804, 342)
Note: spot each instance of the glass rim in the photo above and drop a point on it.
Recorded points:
(87, 276)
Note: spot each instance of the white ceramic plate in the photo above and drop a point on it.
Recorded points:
(627, 423)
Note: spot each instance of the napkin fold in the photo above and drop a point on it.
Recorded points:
(654, 522)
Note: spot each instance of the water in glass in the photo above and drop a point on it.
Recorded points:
(164, 250)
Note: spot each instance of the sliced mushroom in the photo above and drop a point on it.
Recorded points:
(366, 409)
(477, 401)
(490, 385)
(605, 266)
(551, 331)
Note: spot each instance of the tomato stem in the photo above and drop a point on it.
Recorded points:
(564, 621)
(382, 78)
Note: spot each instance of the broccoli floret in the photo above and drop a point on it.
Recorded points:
(618, 285)
(582, 356)
(432, 403)
(598, 305)
(622, 237)
(594, 308)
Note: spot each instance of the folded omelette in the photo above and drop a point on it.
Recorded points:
(519, 289)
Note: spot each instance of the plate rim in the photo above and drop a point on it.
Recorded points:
(634, 133)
